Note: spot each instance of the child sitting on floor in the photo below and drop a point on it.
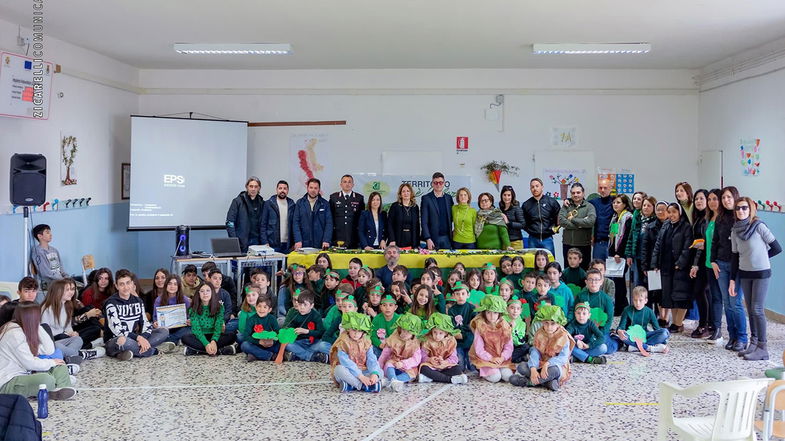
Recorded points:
(520, 351)
(332, 323)
(492, 348)
(559, 289)
(364, 275)
(309, 328)
(374, 298)
(490, 281)
(540, 262)
(401, 354)
(247, 309)
(506, 289)
(255, 347)
(400, 291)
(353, 362)
(423, 305)
(517, 272)
(384, 323)
(589, 339)
(473, 281)
(608, 287)
(641, 315)
(439, 352)
(428, 279)
(331, 281)
(549, 358)
(529, 288)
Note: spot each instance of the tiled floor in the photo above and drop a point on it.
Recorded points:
(175, 397)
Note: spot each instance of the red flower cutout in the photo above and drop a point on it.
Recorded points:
(258, 328)
(311, 326)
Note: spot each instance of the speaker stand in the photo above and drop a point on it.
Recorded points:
(26, 272)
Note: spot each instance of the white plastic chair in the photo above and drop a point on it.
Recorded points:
(732, 421)
(775, 401)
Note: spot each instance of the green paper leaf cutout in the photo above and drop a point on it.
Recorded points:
(599, 316)
(526, 310)
(265, 335)
(287, 335)
(636, 332)
(574, 288)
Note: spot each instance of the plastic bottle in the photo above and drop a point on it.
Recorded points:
(43, 402)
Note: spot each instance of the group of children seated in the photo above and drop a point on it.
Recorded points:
(524, 327)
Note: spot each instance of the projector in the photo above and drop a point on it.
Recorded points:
(260, 250)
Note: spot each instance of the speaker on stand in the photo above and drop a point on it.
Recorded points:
(28, 189)
(182, 237)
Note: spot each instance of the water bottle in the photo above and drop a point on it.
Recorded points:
(43, 402)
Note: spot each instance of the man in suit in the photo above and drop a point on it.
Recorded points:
(346, 206)
(313, 223)
(437, 215)
(277, 220)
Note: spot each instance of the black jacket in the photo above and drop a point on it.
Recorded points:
(367, 229)
(346, 217)
(430, 215)
(396, 217)
(720, 243)
(516, 221)
(17, 420)
(649, 232)
(699, 232)
(244, 218)
(540, 217)
(271, 222)
(680, 235)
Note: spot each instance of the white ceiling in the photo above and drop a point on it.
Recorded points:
(355, 34)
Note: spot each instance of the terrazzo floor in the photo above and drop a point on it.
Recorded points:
(173, 397)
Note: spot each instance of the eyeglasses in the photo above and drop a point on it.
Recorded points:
(742, 208)
(594, 280)
(438, 182)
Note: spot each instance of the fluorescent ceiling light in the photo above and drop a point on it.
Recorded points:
(234, 49)
(590, 48)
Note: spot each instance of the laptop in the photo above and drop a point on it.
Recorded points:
(226, 247)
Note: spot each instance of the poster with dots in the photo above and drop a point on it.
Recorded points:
(625, 183)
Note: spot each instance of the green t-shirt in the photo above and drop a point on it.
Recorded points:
(707, 245)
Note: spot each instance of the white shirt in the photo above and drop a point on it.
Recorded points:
(63, 327)
(283, 208)
(376, 227)
(15, 356)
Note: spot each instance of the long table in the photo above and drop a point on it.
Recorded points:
(375, 259)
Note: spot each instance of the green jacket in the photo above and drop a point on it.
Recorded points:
(592, 335)
(242, 318)
(493, 237)
(602, 301)
(462, 315)
(311, 321)
(203, 324)
(463, 218)
(645, 317)
(331, 325)
(379, 322)
(576, 276)
(578, 230)
(635, 228)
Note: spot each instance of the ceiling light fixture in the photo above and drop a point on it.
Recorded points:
(590, 48)
(233, 49)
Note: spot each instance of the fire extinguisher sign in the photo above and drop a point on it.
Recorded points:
(462, 144)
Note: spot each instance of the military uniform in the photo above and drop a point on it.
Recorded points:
(346, 215)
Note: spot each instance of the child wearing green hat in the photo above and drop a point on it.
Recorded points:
(331, 281)
(332, 323)
(384, 323)
(374, 298)
(492, 348)
(549, 357)
(439, 352)
(589, 339)
(259, 328)
(352, 360)
(462, 313)
(401, 354)
(520, 351)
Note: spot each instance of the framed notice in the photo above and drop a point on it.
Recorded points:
(125, 181)
(173, 316)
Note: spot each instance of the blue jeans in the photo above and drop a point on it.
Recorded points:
(442, 242)
(259, 352)
(715, 300)
(377, 352)
(322, 346)
(463, 360)
(545, 243)
(395, 374)
(612, 344)
(231, 326)
(157, 336)
(283, 297)
(584, 354)
(635, 274)
(599, 250)
(734, 306)
(176, 334)
(302, 349)
(464, 246)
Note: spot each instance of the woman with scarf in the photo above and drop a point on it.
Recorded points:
(620, 232)
(672, 258)
(753, 245)
(490, 227)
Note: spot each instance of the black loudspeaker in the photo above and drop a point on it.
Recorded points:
(28, 179)
(183, 233)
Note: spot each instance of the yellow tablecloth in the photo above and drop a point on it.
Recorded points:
(416, 261)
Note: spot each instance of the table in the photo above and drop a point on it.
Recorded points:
(416, 261)
(234, 266)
